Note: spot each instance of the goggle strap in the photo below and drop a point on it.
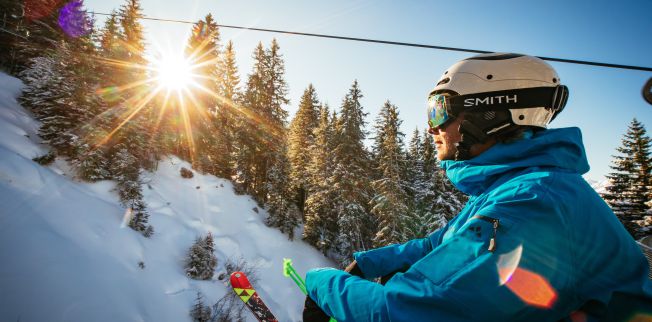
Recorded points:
(505, 100)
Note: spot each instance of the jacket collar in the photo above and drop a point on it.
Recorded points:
(555, 149)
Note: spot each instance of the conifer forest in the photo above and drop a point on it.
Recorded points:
(334, 176)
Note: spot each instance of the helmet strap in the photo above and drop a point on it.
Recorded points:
(478, 128)
(471, 135)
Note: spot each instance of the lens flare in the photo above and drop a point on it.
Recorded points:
(109, 93)
(532, 288)
(529, 286)
(507, 264)
(173, 72)
(641, 317)
(73, 20)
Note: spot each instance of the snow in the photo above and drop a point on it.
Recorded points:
(66, 256)
(598, 186)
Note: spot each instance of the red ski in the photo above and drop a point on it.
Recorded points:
(244, 290)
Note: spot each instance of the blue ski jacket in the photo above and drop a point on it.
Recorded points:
(534, 243)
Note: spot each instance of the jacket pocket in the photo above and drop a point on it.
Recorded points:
(480, 236)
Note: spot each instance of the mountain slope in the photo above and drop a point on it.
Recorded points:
(67, 254)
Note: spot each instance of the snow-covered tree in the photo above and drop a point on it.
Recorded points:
(249, 126)
(320, 219)
(350, 177)
(140, 218)
(60, 90)
(208, 141)
(301, 136)
(283, 212)
(262, 125)
(200, 312)
(34, 29)
(14, 33)
(629, 191)
(110, 36)
(426, 214)
(390, 202)
(112, 50)
(125, 169)
(227, 111)
(133, 37)
(201, 261)
(93, 161)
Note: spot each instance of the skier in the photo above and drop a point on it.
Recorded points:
(534, 242)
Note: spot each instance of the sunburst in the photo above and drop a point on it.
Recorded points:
(174, 84)
(173, 72)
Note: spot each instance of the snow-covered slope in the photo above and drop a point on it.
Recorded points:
(65, 254)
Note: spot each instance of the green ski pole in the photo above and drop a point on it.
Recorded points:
(289, 271)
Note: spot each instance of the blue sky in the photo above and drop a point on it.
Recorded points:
(602, 102)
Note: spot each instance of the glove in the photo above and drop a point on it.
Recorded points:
(354, 269)
(313, 313)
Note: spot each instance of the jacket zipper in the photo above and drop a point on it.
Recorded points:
(495, 222)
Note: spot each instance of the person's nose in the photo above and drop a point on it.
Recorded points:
(434, 131)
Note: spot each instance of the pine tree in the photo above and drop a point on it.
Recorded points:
(249, 126)
(261, 128)
(35, 28)
(200, 312)
(203, 52)
(60, 86)
(111, 50)
(133, 36)
(201, 261)
(276, 87)
(274, 96)
(132, 130)
(125, 169)
(320, 219)
(110, 36)
(351, 177)
(414, 159)
(228, 108)
(629, 191)
(301, 136)
(389, 204)
(414, 224)
(92, 162)
(428, 198)
(140, 218)
(283, 212)
(12, 34)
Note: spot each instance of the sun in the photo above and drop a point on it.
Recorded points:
(173, 72)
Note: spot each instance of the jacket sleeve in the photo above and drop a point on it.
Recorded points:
(385, 260)
(460, 280)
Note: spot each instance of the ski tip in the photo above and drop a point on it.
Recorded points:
(240, 280)
(287, 263)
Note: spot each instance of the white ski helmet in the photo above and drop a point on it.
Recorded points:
(499, 92)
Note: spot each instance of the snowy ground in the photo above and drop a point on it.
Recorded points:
(66, 255)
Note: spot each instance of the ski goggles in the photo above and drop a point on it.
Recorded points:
(437, 113)
(443, 107)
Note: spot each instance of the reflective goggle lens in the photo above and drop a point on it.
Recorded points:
(437, 114)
